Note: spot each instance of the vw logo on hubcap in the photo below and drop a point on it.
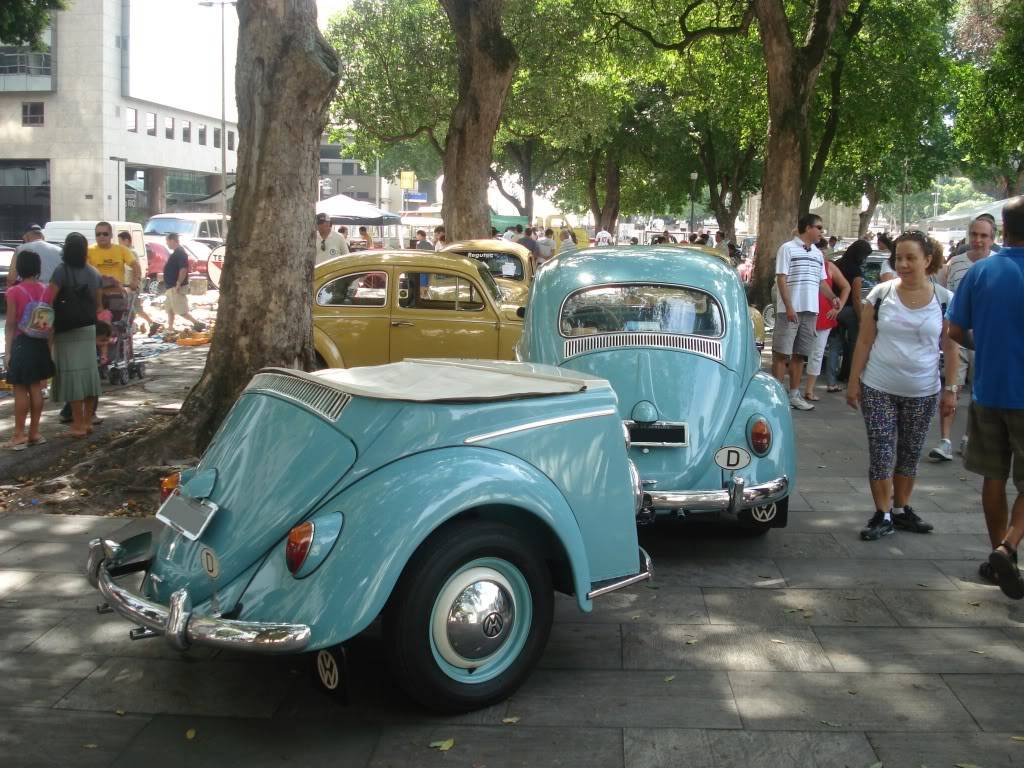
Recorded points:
(493, 624)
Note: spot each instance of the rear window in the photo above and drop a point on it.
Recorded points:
(641, 309)
(167, 226)
(504, 265)
(366, 289)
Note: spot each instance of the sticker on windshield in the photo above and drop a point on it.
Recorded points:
(508, 270)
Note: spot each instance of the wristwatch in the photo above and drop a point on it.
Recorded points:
(954, 388)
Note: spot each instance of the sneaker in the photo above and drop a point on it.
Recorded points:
(962, 449)
(943, 451)
(907, 520)
(797, 401)
(877, 527)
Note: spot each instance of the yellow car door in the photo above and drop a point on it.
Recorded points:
(351, 317)
(441, 314)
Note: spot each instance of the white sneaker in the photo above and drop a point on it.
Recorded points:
(943, 451)
(797, 401)
(963, 446)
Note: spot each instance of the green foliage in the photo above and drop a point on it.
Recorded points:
(956, 193)
(22, 21)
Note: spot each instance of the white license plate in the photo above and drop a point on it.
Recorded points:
(187, 516)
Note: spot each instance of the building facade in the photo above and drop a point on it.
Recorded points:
(119, 116)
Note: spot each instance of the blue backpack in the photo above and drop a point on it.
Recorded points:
(36, 319)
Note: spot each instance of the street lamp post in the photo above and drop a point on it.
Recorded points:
(693, 194)
(223, 120)
(120, 182)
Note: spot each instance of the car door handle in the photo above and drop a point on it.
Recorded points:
(401, 323)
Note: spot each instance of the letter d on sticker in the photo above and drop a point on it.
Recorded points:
(732, 458)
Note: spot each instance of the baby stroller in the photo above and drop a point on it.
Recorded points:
(120, 365)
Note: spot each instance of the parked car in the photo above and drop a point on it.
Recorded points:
(206, 228)
(376, 307)
(872, 270)
(509, 264)
(157, 254)
(669, 327)
(6, 267)
(449, 497)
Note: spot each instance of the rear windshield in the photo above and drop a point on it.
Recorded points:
(506, 265)
(167, 226)
(641, 309)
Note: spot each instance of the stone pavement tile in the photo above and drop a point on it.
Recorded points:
(59, 556)
(1016, 634)
(13, 580)
(650, 602)
(838, 502)
(584, 646)
(905, 649)
(43, 738)
(87, 633)
(53, 590)
(992, 750)
(863, 573)
(43, 527)
(964, 573)
(823, 701)
(185, 687)
(726, 647)
(918, 546)
(623, 699)
(839, 523)
(994, 700)
(20, 627)
(6, 545)
(254, 743)
(964, 608)
(801, 607)
(37, 681)
(726, 542)
(502, 746)
(962, 503)
(662, 747)
(958, 522)
(677, 572)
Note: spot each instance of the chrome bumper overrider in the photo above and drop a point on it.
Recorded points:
(176, 621)
(731, 499)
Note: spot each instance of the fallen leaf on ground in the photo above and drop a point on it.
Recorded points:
(975, 603)
(691, 642)
(90, 746)
(921, 585)
(852, 691)
(510, 720)
(780, 642)
(1017, 738)
(670, 678)
(190, 734)
(965, 765)
(829, 723)
(980, 653)
(119, 712)
(442, 746)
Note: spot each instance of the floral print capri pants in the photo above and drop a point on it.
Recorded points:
(897, 427)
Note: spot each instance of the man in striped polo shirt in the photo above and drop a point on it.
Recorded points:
(800, 275)
(981, 235)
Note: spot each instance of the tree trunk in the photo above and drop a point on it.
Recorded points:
(873, 195)
(286, 76)
(605, 214)
(486, 60)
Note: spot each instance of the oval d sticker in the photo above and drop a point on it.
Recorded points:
(209, 562)
(732, 458)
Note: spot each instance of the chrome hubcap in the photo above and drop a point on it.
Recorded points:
(475, 616)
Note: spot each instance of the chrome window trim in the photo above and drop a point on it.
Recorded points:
(686, 442)
(540, 423)
(387, 288)
(457, 311)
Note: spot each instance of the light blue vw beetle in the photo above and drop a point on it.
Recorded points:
(451, 497)
(712, 435)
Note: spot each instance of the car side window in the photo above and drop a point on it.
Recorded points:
(204, 230)
(435, 290)
(363, 289)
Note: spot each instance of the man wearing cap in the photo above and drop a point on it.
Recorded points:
(49, 254)
(328, 242)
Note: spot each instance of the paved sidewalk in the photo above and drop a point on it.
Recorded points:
(804, 647)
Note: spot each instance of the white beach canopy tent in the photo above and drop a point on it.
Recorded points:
(343, 209)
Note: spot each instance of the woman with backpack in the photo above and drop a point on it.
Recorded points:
(27, 349)
(894, 378)
(76, 289)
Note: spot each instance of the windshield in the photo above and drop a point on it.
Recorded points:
(504, 265)
(167, 226)
(643, 309)
(489, 285)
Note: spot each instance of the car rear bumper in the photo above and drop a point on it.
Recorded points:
(176, 621)
(731, 499)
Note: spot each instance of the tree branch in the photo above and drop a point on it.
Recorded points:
(689, 36)
(505, 193)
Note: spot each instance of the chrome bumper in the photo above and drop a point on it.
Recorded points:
(177, 622)
(731, 499)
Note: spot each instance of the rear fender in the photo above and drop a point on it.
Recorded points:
(327, 349)
(764, 397)
(387, 516)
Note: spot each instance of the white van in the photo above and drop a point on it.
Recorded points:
(205, 228)
(57, 232)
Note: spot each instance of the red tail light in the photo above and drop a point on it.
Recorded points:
(300, 538)
(760, 437)
(168, 485)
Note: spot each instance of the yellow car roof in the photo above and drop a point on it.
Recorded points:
(490, 244)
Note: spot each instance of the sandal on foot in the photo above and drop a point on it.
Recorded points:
(16, 446)
(38, 441)
(811, 396)
(1004, 563)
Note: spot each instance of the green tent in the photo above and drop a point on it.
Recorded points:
(501, 223)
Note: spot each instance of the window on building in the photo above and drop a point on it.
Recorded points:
(348, 168)
(131, 120)
(202, 134)
(151, 123)
(216, 137)
(186, 131)
(231, 141)
(32, 113)
(169, 127)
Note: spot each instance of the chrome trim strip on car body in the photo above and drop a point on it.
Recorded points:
(646, 573)
(735, 496)
(656, 425)
(179, 624)
(323, 400)
(578, 345)
(538, 424)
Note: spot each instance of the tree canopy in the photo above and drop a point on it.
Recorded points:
(23, 21)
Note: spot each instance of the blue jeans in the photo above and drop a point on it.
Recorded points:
(833, 354)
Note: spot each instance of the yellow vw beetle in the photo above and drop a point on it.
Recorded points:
(509, 264)
(376, 307)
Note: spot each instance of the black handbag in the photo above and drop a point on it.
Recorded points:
(75, 306)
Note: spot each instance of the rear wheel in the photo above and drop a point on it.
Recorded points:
(469, 618)
(769, 317)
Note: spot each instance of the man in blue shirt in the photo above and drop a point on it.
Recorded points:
(987, 315)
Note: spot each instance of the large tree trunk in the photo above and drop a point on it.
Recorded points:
(486, 60)
(286, 74)
(873, 194)
(605, 214)
(792, 74)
